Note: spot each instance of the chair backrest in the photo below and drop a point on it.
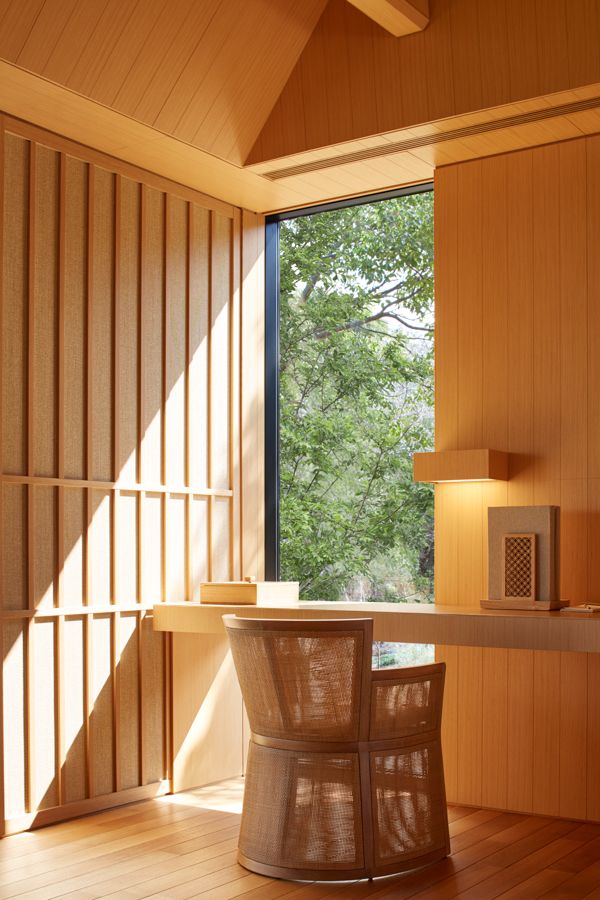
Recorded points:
(304, 680)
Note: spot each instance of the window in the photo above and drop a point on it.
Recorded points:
(350, 398)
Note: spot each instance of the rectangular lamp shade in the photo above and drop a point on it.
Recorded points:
(461, 465)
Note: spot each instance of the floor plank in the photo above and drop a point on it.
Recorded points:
(183, 847)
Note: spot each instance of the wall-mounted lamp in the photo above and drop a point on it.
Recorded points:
(461, 465)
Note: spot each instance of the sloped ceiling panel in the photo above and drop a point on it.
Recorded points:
(354, 79)
(205, 71)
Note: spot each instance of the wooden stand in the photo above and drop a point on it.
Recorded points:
(524, 604)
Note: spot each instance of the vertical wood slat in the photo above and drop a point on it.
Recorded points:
(30, 698)
(139, 471)
(140, 433)
(60, 504)
(2, 301)
(446, 376)
(235, 533)
(251, 391)
(89, 421)
(188, 406)
(209, 404)
(469, 373)
(115, 497)
(165, 468)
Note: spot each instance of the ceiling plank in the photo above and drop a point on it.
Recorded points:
(208, 73)
(399, 17)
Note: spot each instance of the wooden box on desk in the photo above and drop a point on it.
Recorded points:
(232, 593)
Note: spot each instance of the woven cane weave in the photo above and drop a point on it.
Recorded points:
(409, 803)
(309, 817)
(406, 706)
(344, 776)
(290, 683)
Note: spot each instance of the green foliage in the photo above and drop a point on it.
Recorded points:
(356, 399)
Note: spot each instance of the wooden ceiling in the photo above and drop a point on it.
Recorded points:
(206, 72)
(277, 104)
(354, 79)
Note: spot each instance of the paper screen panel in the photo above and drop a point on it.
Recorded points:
(151, 548)
(221, 540)
(126, 547)
(128, 281)
(175, 339)
(128, 673)
(44, 292)
(74, 769)
(74, 528)
(152, 332)
(44, 546)
(219, 369)
(152, 702)
(198, 545)
(100, 387)
(99, 548)
(44, 722)
(198, 341)
(127, 284)
(75, 316)
(14, 314)
(14, 547)
(101, 724)
(14, 718)
(176, 556)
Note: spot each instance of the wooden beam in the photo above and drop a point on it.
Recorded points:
(399, 17)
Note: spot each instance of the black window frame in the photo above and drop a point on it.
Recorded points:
(271, 460)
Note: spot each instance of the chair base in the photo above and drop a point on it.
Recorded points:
(288, 874)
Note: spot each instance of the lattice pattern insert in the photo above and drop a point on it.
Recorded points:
(519, 566)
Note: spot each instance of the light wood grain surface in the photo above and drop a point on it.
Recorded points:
(184, 846)
(517, 368)
(406, 622)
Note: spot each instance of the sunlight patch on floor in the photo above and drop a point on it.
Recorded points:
(226, 796)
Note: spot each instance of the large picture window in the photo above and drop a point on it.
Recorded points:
(350, 317)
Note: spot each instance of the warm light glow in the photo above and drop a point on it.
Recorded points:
(224, 797)
(461, 480)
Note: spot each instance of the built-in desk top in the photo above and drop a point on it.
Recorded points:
(411, 623)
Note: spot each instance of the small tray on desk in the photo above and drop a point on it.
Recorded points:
(541, 605)
(582, 611)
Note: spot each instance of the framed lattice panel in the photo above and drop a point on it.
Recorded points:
(519, 567)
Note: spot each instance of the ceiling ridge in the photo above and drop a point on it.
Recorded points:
(436, 137)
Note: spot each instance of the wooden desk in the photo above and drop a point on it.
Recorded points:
(411, 623)
(515, 717)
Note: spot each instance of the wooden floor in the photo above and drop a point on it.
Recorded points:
(184, 846)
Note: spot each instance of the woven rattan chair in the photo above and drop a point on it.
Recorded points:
(344, 777)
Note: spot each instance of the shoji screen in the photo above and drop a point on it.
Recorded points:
(121, 460)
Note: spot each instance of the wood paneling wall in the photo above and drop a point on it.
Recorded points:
(121, 468)
(518, 369)
(354, 79)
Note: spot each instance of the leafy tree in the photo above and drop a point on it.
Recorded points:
(356, 398)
